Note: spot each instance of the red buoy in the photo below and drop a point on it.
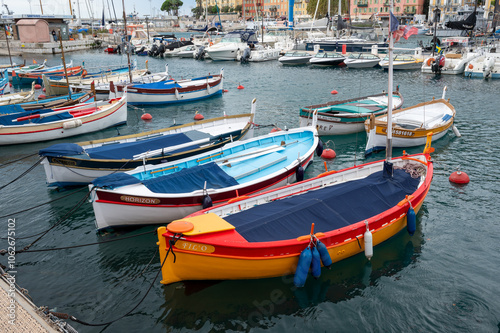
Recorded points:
(240, 87)
(41, 96)
(146, 116)
(225, 90)
(459, 177)
(328, 154)
(198, 116)
(37, 86)
(334, 92)
(10, 84)
(275, 129)
(43, 89)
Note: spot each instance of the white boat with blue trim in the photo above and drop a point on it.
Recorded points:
(153, 194)
(174, 91)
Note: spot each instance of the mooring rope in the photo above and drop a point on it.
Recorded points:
(64, 218)
(24, 173)
(2, 252)
(39, 205)
(17, 160)
(73, 318)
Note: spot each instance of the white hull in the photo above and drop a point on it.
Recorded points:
(264, 55)
(55, 130)
(452, 66)
(145, 99)
(376, 140)
(110, 215)
(334, 128)
(67, 176)
(361, 63)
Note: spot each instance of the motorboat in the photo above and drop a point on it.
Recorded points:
(486, 66)
(258, 53)
(361, 60)
(295, 58)
(449, 63)
(327, 59)
(402, 62)
(230, 44)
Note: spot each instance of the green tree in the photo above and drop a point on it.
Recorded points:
(225, 9)
(197, 12)
(212, 9)
(239, 8)
(171, 6)
(323, 8)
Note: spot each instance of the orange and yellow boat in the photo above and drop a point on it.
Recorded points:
(263, 235)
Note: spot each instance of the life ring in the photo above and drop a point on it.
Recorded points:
(430, 61)
(84, 73)
(183, 39)
(211, 44)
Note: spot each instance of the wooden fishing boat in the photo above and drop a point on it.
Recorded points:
(263, 235)
(28, 78)
(154, 194)
(103, 86)
(411, 125)
(174, 91)
(18, 97)
(26, 69)
(348, 116)
(49, 124)
(54, 102)
(267, 235)
(59, 85)
(71, 164)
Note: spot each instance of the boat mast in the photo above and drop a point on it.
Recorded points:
(388, 148)
(126, 40)
(7, 40)
(64, 64)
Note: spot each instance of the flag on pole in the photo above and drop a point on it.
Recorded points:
(394, 23)
(408, 31)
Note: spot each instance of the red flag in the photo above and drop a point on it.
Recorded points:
(398, 33)
(409, 31)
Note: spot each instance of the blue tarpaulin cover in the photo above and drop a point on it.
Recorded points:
(191, 179)
(61, 149)
(7, 120)
(115, 180)
(329, 208)
(8, 109)
(129, 149)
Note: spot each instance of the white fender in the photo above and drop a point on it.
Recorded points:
(368, 242)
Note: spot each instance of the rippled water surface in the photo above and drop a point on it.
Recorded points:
(443, 279)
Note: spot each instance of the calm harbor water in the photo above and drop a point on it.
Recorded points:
(443, 279)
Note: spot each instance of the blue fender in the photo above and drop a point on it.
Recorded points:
(316, 263)
(303, 267)
(411, 221)
(323, 252)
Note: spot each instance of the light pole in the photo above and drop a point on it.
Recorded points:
(29, 1)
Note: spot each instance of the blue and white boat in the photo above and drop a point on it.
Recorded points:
(174, 91)
(153, 194)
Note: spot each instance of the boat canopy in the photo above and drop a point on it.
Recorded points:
(170, 84)
(191, 179)
(127, 150)
(329, 208)
(61, 149)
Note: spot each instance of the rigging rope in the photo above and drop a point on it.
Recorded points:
(66, 216)
(23, 174)
(2, 252)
